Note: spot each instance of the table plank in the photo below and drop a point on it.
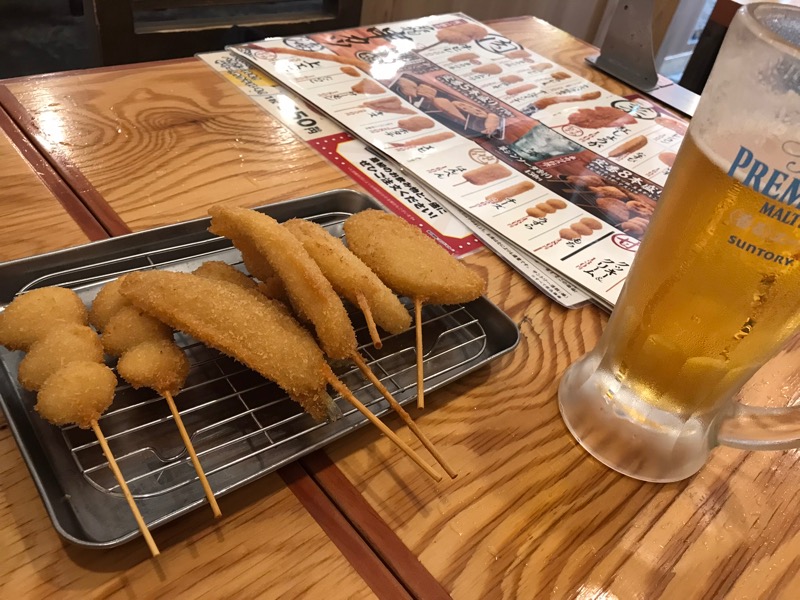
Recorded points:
(33, 220)
(531, 515)
(266, 545)
(160, 143)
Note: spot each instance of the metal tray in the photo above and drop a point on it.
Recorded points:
(242, 426)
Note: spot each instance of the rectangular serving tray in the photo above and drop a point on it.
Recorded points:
(242, 426)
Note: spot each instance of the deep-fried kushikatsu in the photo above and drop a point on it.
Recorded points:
(351, 278)
(235, 321)
(254, 330)
(148, 357)
(310, 293)
(33, 315)
(65, 365)
(411, 264)
(408, 261)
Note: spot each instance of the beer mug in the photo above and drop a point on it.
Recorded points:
(714, 291)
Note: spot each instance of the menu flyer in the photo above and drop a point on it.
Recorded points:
(549, 162)
(398, 191)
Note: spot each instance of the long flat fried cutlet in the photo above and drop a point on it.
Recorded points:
(242, 325)
(408, 261)
(349, 276)
(309, 292)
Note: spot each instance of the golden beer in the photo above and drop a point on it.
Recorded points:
(714, 291)
(716, 285)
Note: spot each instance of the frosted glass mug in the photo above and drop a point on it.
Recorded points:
(714, 291)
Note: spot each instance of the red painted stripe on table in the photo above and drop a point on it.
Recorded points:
(384, 541)
(61, 191)
(60, 162)
(354, 548)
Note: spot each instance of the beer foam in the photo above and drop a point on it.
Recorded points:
(711, 154)
(722, 148)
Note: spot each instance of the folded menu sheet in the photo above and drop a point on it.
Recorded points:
(550, 164)
(399, 192)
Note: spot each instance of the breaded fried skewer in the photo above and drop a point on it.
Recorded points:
(413, 265)
(255, 331)
(65, 366)
(310, 293)
(226, 274)
(352, 279)
(148, 357)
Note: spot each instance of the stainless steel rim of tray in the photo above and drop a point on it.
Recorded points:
(242, 426)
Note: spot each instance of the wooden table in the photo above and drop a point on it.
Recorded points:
(531, 515)
(38, 212)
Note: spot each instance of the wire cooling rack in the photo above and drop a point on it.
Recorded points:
(242, 426)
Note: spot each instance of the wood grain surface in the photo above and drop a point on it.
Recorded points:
(31, 217)
(530, 515)
(161, 143)
(265, 546)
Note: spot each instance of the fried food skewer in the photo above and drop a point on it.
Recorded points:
(246, 327)
(413, 265)
(311, 294)
(352, 279)
(65, 366)
(254, 330)
(148, 357)
(345, 393)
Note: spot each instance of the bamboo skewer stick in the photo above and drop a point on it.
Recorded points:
(212, 501)
(357, 358)
(125, 491)
(345, 393)
(420, 375)
(373, 330)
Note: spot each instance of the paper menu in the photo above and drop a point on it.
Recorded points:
(394, 189)
(522, 131)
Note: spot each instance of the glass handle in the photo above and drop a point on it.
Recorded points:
(761, 428)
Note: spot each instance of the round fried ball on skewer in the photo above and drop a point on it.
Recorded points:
(408, 261)
(160, 365)
(77, 393)
(130, 327)
(65, 344)
(34, 314)
(107, 303)
(349, 276)
(222, 271)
